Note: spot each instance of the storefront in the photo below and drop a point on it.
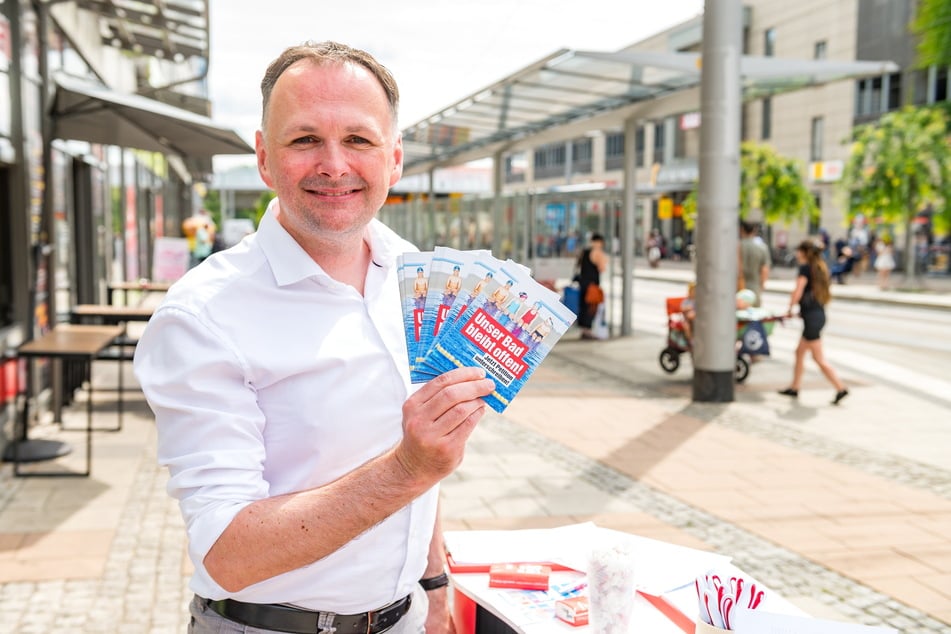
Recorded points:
(89, 176)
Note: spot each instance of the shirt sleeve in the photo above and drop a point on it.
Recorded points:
(210, 428)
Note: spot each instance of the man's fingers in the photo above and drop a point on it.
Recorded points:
(444, 392)
(462, 418)
(458, 375)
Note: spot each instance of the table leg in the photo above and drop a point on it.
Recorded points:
(22, 448)
(89, 423)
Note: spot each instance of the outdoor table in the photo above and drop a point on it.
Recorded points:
(140, 285)
(108, 314)
(68, 342)
(479, 608)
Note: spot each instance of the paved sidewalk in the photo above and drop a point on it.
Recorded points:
(828, 505)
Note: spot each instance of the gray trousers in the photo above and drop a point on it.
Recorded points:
(207, 621)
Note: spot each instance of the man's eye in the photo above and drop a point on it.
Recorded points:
(359, 140)
(303, 140)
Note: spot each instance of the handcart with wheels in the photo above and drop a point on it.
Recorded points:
(753, 327)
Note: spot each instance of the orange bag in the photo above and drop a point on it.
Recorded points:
(593, 294)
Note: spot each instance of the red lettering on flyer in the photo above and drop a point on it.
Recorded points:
(441, 313)
(417, 321)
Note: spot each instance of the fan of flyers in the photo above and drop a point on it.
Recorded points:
(467, 308)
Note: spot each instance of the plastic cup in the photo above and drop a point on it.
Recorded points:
(611, 588)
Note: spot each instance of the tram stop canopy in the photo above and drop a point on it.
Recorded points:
(569, 86)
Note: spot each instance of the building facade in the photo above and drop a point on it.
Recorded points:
(811, 125)
(92, 167)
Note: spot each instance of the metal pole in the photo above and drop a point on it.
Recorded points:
(498, 220)
(628, 220)
(718, 200)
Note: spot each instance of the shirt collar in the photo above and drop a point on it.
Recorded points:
(290, 263)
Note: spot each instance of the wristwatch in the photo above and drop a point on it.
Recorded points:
(434, 583)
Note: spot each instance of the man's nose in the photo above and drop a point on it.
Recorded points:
(332, 160)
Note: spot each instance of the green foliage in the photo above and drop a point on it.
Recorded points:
(900, 164)
(769, 182)
(933, 27)
(263, 201)
(117, 211)
(212, 202)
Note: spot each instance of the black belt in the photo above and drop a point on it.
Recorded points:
(282, 618)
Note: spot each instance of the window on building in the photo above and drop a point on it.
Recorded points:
(941, 85)
(614, 151)
(680, 142)
(515, 168)
(658, 142)
(815, 146)
(769, 42)
(876, 95)
(766, 124)
(820, 50)
(919, 80)
(550, 160)
(581, 154)
(894, 91)
(860, 90)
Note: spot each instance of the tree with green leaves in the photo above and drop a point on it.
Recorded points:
(897, 167)
(932, 25)
(769, 182)
(261, 206)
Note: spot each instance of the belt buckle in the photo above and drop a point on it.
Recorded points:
(374, 618)
(325, 623)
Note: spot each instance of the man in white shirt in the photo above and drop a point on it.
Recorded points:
(305, 465)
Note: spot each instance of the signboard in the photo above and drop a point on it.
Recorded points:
(170, 260)
(690, 121)
(825, 171)
(665, 208)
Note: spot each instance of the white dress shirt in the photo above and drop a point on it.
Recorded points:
(267, 376)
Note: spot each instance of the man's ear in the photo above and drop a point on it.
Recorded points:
(397, 161)
(261, 153)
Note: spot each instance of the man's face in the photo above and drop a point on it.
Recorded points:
(329, 148)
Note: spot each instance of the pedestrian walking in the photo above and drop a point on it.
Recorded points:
(304, 461)
(591, 263)
(811, 294)
(753, 262)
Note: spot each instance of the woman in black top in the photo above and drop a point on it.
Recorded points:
(591, 263)
(811, 293)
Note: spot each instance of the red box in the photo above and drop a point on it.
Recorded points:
(573, 611)
(521, 576)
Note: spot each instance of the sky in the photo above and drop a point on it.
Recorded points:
(438, 51)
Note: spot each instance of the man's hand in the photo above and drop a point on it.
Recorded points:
(439, 621)
(438, 419)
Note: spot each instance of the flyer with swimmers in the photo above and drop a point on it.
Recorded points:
(501, 320)
(412, 271)
(447, 271)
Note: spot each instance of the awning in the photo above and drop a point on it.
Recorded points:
(572, 86)
(86, 112)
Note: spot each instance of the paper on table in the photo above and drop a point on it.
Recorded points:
(482, 548)
(661, 567)
(760, 622)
